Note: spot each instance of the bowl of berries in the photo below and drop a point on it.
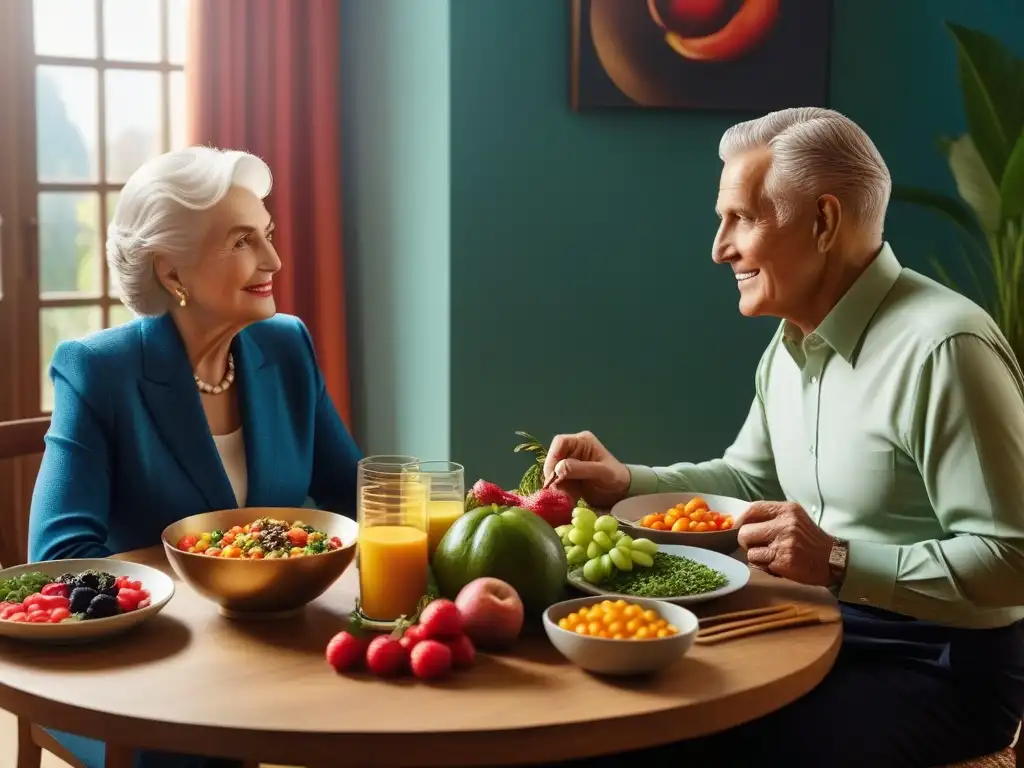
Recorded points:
(77, 601)
(261, 562)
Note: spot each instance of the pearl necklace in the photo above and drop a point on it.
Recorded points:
(225, 383)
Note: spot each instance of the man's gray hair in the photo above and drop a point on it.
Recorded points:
(814, 152)
(156, 214)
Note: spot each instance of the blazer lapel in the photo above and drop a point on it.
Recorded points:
(173, 402)
(262, 408)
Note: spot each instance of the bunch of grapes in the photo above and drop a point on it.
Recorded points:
(601, 548)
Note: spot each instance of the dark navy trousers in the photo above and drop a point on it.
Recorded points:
(903, 693)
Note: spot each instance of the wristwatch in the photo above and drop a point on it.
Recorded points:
(837, 561)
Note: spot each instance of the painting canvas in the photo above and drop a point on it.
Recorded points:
(744, 55)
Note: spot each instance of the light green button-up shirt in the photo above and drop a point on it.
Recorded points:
(898, 424)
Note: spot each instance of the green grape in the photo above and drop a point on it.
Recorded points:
(621, 559)
(641, 558)
(616, 535)
(594, 550)
(646, 546)
(578, 536)
(602, 540)
(563, 531)
(606, 565)
(606, 523)
(624, 542)
(567, 547)
(583, 518)
(576, 555)
(593, 571)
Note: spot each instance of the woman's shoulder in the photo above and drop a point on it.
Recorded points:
(281, 336)
(112, 348)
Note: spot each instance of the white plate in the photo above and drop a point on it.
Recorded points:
(737, 573)
(159, 585)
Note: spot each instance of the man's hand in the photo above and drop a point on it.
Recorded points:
(780, 538)
(582, 467)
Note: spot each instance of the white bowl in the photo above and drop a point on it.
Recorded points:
(630, 511)
(621, 657)
(159, 585)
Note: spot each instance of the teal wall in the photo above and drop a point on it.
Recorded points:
(582, 289)
(395, 113)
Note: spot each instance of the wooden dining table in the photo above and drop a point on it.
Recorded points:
(190, 680)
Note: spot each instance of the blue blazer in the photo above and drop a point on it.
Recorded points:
(129, 450)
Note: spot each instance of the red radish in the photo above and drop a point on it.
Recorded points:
(441, 619)
(430, 660)
(385, 656)
(489, 493)
(553, 506)
(412, 636)
(463, 652)
(345, 650)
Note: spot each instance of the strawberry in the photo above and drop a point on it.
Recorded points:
(385, 656)
(412, 636)
(56, 589)
(551, 505)
(129, 599)
(345, 650)
(430, 659)
(441, 619)
(463, 652)
(489, 493)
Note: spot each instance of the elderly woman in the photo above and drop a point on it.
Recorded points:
(208, 400)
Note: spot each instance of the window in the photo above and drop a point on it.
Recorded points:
(104, 81)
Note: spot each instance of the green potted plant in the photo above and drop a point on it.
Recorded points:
(987, 163)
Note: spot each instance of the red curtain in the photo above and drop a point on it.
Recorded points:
(263, 77)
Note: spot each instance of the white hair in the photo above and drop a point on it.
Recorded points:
(816, 151)
(154, 215)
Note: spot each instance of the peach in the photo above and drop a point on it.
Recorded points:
(492, 613)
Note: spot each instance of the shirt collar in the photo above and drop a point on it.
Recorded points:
(844, 327)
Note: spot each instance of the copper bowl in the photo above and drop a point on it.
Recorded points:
(261, 588)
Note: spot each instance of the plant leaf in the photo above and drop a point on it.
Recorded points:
(974, 182)
(949, 206)
(1012, 188)
(992, 84)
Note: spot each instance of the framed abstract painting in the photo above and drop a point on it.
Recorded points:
(737, 55)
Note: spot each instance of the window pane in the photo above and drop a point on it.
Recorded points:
(131, 30)
(67, 124)
(58, 324)
(177, 27)
(134, 132)
(65, 28)
(179, 110)
(120, 314)
(111, 207)
(69, 242)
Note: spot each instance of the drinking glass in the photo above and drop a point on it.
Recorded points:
(392, 517)
(445, 483)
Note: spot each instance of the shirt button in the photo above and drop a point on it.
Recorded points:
(811, 450)
(814, 379)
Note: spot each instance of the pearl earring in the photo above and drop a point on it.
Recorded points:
(182, 297)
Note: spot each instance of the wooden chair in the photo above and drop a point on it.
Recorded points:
(21, 440)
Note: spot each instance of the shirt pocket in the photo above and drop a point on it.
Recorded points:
(883, 460)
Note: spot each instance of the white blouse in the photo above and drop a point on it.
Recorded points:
(231, 448)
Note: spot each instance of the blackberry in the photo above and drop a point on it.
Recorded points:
(101, 607)
(97, 580)
(81, 598)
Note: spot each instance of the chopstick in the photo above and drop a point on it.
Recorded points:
(758, 620)
(747, 614)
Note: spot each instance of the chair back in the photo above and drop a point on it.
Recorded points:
(18, 440)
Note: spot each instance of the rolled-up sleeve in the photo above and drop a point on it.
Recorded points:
(966, 433)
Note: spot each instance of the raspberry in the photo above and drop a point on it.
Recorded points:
(385, 656)
(441, 619)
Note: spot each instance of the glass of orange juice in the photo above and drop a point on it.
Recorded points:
(445, 482)
(393, 559)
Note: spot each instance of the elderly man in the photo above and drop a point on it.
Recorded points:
(883, 454)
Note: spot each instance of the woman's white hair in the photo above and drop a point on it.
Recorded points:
(155, 214)
(816, 151)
